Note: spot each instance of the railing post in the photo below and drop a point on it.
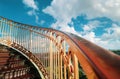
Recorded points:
(30, 42)
(61, 73)
(51, 58)
(61, 59)
(64, 50)
(10, 34)
(58, 60)
(75, 64)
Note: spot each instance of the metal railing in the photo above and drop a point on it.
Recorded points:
(57, 55)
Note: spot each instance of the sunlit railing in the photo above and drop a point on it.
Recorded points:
(50, 48)
(55, 54)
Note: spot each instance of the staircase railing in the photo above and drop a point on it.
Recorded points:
(60, 55)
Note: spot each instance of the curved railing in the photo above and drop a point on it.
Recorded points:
(61, 53)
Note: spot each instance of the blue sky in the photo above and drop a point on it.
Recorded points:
(95, 20)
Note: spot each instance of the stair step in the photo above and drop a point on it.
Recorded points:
(12, 63)
(4, 55)
(6, 69)
(3, 60)
(24, 76)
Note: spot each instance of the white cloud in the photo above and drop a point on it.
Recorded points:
(109, 40)
(88, 31)
(90, 36)
(64, 10)
(112, 33)
(91, 25)
(31, 12)
(86, 28)
(34, 10)
(31, 4)
(42, 22)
